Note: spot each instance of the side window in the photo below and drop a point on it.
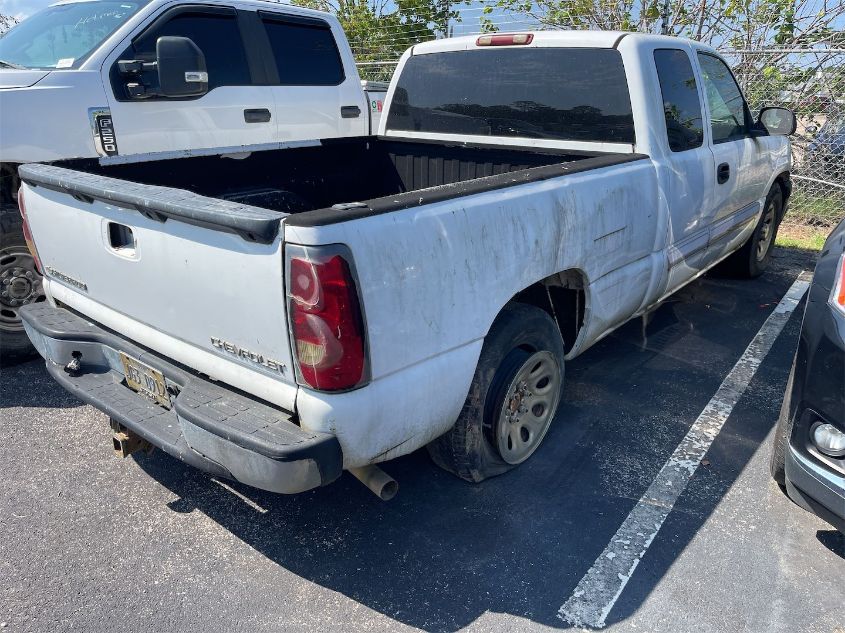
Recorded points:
(681, 105)
(215, 33)
(729, 117)
(305, 51)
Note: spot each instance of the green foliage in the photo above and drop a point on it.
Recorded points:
(379, 31)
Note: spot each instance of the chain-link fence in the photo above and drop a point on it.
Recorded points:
(812, 84)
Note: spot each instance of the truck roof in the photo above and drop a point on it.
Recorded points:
(553, 38)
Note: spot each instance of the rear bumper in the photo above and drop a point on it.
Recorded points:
(209, 426)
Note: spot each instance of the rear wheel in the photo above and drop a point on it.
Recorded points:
(513, 398)
(753, 258)
(20, 284)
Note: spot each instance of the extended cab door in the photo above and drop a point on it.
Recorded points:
(687, 167)
(237, 110)
(317, 91)
(740, 162)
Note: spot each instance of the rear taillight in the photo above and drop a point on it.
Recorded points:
(837, 295)
(27, 234)
(326, 323)
(508, 39)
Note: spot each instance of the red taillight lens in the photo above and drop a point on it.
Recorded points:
(27, 234)
(510, 39)
(327, 326)
(837, 295)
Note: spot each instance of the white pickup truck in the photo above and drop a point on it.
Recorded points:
(85, 79)
(286, 316)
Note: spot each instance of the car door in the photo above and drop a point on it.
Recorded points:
(686, 164)
(317, 91)
(739, 157)
(235, 111)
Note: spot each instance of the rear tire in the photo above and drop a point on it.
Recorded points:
(512, 400)
(783, 431)
(752, 259)
(20, 284)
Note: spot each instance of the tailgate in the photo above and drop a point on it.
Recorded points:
(195, 279)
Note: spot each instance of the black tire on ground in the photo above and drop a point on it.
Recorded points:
(753, 258)
(520, 332)
(14, 344)
(783, 430)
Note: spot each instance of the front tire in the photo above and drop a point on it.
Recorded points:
(20, 284)
(512, 400)
(753, 258)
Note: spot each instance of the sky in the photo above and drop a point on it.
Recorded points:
(22, 8)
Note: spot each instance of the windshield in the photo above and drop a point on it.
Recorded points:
(62, 36)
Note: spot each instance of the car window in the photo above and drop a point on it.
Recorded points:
(729, 117)
(546, 93)
(305, 51)
(681, 105)
(217, 36)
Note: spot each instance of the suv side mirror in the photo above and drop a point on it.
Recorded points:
(778, 121)
(181, 67)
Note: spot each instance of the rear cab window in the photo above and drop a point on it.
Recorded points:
(681, 103)
(304, 50)
(573, 94)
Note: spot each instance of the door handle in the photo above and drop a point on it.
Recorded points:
(723, 173)
(257, 115)
(350, 112)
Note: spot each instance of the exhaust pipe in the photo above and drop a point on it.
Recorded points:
(383, 485)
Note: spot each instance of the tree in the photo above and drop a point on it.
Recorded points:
(381, 30)
(7, 22)
(739, 24)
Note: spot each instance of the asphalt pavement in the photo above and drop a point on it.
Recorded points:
(89, 542)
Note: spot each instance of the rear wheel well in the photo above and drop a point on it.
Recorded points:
(9, 183)
(563, 297)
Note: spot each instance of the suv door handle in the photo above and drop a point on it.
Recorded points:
(723, 173)
(350, 112)
(257, 115)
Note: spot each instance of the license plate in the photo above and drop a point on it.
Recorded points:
(145, 380)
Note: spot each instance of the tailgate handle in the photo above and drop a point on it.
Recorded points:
(350, 112)
(257, 115)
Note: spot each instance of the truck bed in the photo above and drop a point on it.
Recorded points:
(334, 181)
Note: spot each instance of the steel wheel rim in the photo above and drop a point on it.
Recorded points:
(20, 284)
(528, 408)
(767, 232)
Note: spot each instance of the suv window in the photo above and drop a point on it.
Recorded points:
(729, 116)
(305, 51)
(546, 93)
(681, 106)
(217, 35)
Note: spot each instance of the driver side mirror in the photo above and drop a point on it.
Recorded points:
(777, 121)
(181, 67)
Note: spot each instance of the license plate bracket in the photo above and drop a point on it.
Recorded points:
(145, 380)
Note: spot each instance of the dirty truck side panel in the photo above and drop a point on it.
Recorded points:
(433, 278)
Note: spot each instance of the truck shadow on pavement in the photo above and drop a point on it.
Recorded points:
(444, 552)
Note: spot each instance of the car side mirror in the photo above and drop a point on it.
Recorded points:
(181, 67)
(778, 121)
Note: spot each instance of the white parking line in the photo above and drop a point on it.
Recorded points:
(600, 588)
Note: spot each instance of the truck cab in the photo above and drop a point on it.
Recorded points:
(136, 80)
